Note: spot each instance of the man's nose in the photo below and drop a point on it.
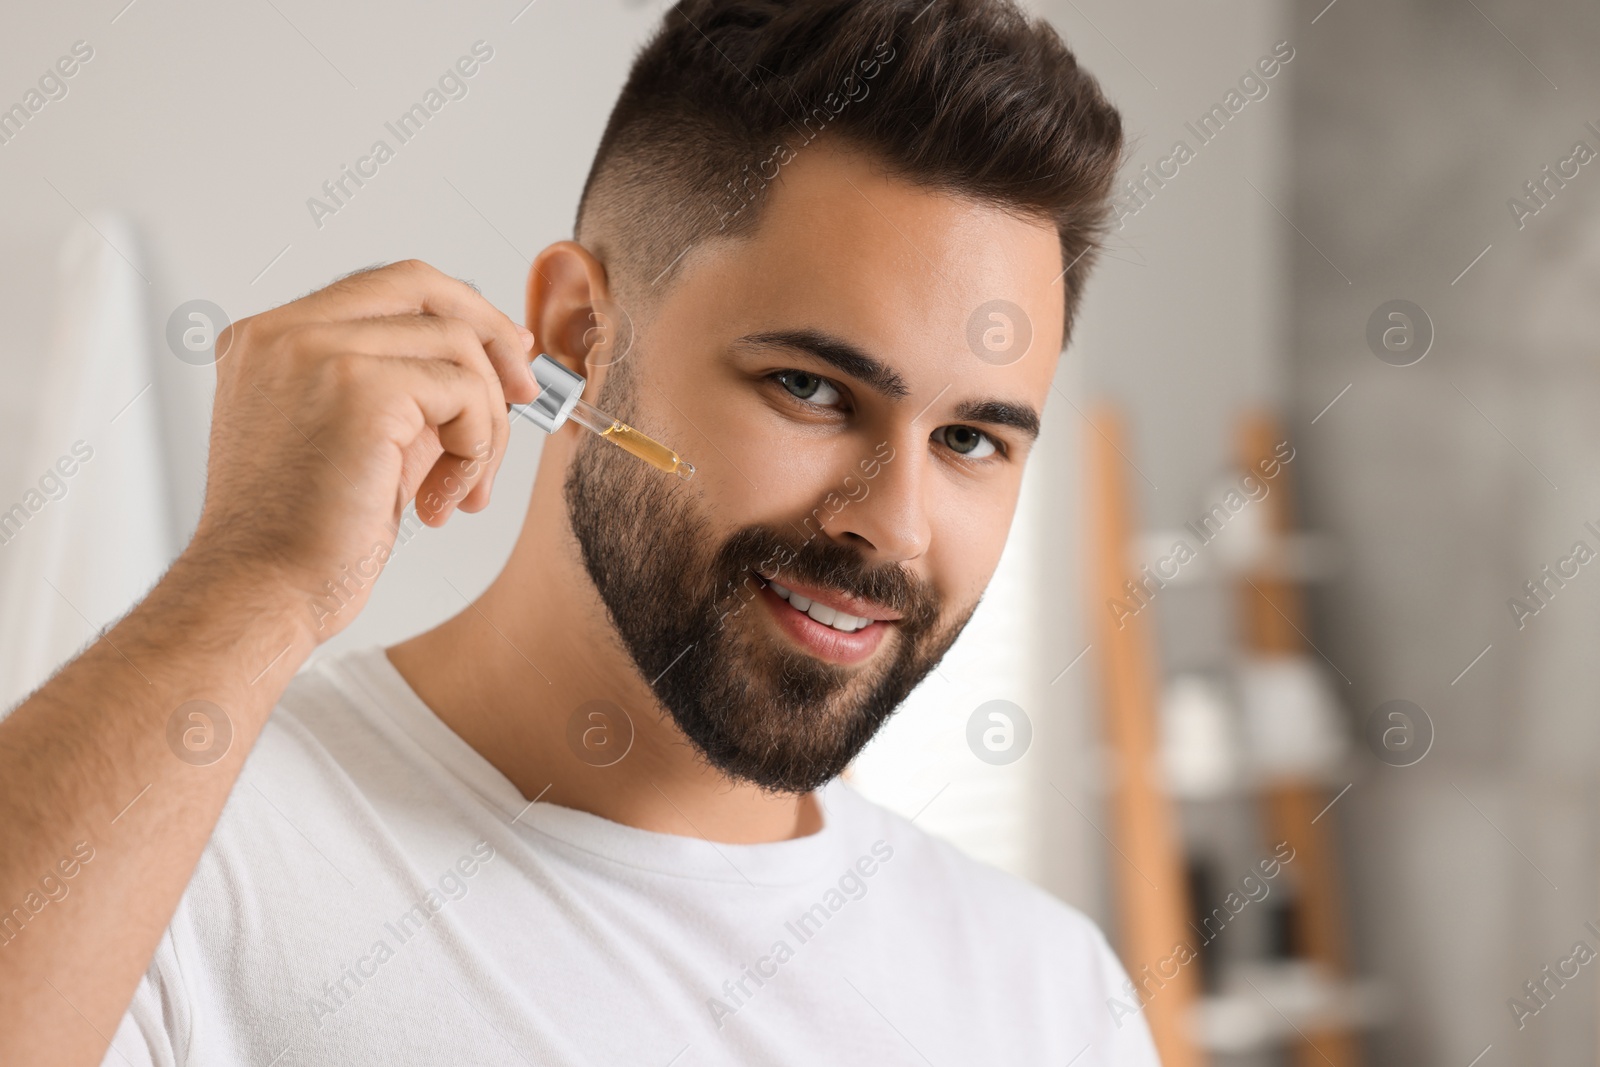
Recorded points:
(886, 514)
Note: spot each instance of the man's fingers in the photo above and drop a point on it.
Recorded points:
(413, 397)
(427, 337)
(416, 460)
(412, 287)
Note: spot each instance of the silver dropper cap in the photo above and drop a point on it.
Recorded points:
(560, 390)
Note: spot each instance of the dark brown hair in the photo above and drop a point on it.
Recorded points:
(970, 97)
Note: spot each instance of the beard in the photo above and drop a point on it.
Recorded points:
(755, 706)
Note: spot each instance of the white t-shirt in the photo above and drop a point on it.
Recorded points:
(377, 893)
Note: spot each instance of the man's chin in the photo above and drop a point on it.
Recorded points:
(776, 718)
(762, 710)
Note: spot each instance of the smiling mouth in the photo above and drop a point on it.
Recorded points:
(844, 623)
(824, 631)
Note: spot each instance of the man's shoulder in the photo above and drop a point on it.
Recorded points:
(973, 892)
(332, 747)
(341, 708)
(957, 914)
(341, 681)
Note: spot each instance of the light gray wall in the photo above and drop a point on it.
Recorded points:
(1452, 482)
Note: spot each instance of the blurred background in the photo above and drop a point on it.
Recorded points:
(1377, 265)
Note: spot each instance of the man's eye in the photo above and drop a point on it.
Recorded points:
(965, 441)
(812, 388)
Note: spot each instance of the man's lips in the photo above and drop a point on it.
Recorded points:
(836, 599)
(820, 639)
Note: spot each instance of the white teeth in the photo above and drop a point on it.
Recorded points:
(839, 620)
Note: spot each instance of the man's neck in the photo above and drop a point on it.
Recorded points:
(509, 673)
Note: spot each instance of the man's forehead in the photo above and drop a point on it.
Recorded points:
(911, 273)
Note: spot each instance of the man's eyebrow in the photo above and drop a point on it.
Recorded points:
(842, 354)
(1001, 413)
(856, 363)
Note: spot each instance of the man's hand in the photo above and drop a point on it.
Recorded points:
(335, 411)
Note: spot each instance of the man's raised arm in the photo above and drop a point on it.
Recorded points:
(331, 414)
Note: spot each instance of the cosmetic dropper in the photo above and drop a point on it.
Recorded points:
(561, 398)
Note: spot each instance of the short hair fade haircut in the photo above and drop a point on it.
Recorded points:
(969, 97)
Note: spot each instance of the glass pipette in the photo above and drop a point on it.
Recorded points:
(561, 398)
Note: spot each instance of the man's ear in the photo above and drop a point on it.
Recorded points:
(566, 285)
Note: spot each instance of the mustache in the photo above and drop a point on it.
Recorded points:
(820, 562)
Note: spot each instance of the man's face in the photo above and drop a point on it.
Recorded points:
(859, 438)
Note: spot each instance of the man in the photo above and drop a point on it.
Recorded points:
(594, 818)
